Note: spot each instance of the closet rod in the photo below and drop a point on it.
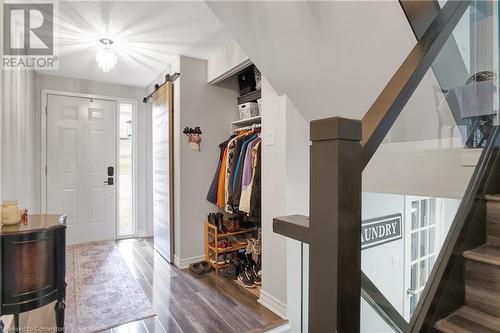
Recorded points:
(247, 127)
(168, 77)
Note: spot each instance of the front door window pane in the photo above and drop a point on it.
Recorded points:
(126, 225)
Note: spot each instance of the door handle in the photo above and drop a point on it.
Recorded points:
(110, 181)
(411, 292)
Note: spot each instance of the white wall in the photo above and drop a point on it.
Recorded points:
(212, 108)
(330, 57)
(285, 191)
(144, 225)
(227, 62)
(435, 168)
(19, 143)
(297, 202)
(273, 292)
(383, 264)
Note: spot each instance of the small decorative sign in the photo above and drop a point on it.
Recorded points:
(381, 230)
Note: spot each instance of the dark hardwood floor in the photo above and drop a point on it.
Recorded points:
(181, 301)
(186, 303)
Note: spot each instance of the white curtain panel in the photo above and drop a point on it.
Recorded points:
(20, 141)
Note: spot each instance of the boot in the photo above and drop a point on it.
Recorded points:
(220, 225)
(211, 219)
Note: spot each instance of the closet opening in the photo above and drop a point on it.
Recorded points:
(233, 236)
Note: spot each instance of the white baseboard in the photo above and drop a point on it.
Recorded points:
(144, 234)
(185, 262)
(272, 303)
(281, 329)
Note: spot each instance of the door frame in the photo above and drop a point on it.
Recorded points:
(43, 151)
(407, 243)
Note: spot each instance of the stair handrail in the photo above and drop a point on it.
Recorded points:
(385, 110)
(474, 192)
(340, 150)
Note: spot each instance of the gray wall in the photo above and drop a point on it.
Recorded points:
(212, 108)
(19, 142)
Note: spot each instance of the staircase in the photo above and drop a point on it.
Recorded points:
(481, 312)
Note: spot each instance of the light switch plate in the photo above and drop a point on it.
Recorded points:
(269, 138)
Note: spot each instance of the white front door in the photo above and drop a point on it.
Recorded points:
(81, 157)
(421, 246)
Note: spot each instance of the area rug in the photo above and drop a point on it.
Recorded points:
(101, 291)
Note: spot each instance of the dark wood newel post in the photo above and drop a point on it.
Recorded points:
(335, 226)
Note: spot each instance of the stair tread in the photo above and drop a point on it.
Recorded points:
(488, 254)
(492, 197)
(469, 320)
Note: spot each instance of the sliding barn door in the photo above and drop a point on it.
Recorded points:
(163, 171)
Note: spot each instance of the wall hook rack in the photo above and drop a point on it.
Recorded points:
(194, 137)
(189, 130)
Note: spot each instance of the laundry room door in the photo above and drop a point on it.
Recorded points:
(81, 164)
(421, 247)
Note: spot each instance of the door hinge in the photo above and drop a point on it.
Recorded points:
(46, 111)
(45, 170)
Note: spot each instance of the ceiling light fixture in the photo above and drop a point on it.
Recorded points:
(106, 57)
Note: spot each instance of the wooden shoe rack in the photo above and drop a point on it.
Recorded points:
(212, 231)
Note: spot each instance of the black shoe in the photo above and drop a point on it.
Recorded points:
(231, 272)
(245, 279)
(220, 224)
(206, 266)
(196, 268)
(211, 219)
(252, 272)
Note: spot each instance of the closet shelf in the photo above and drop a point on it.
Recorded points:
(228, 234)
(249, 121)
(233, 248)
(250, 97)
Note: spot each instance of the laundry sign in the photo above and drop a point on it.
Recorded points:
(381, 230)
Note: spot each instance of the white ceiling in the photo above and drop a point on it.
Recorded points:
(147, 37)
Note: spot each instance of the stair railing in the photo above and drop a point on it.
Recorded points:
(340, 150)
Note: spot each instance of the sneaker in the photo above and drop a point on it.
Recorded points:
(245, 279)
(221, 260)
(252, 272)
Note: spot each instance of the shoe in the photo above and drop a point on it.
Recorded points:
(238, 240)
(196, 268)
(231, 272)
(206, 266)
(220, 223)
(211, 218)
(250, 245)
(244, 278)
(224, 244)
(229, 225)
(242, 239)
(221, 260)
(253, 274)
(236, 223)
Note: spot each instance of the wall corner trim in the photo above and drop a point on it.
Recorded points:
(273, 304)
